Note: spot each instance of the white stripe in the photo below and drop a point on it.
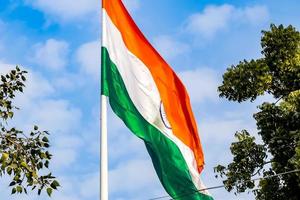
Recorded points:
(142, 89)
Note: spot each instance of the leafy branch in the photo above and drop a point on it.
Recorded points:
(22, 156)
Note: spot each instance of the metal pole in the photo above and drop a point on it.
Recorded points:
(103, 145)
(103, 151)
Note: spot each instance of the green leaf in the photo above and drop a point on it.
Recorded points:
(12, 183)
(10, 114)
(45, 139)
(9, 170)
(43, 155)
(3, 79)
(40, 165)
(19, 189)
(54, 184)
(4, 156)
(47, 164)
(49, 191)
(24, 164)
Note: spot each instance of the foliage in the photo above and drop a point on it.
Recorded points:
(278, 124)
(22, 156)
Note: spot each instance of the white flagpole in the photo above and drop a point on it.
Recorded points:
(103, 150)
(103, 145)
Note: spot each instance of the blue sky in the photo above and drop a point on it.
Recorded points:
(58, 42)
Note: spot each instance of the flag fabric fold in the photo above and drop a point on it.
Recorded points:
(153, 103)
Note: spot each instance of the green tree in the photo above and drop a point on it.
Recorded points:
(278, 123)
(22, 156)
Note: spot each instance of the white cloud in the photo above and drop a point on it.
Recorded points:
(66, 10)
(135, 177)
(169, 47)
(68, 196)
(216, 18)
(63, 158)
(82, 186)
(211, 20)
(126, 144)
(67, 192)
(89, 186)
(36, 87)
(5, 68)
(52, 54)
(89, 57)
(55, 115)
(220, 131)
(67, 141)
(201, 83)
(91, 137)
(256, 14)
(69, 82)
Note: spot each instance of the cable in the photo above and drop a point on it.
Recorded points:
(221, 186)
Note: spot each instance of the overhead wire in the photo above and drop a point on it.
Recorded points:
(221, 186)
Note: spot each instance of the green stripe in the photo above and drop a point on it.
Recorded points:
(167, 159)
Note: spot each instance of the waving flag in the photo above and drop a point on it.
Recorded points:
(153, 103)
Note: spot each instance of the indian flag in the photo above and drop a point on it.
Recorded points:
(153, 103)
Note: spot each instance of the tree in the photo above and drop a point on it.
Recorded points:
(278, 123)
(22, 156)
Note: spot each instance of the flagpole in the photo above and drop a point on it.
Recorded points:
(103, 151)
(103, 145)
